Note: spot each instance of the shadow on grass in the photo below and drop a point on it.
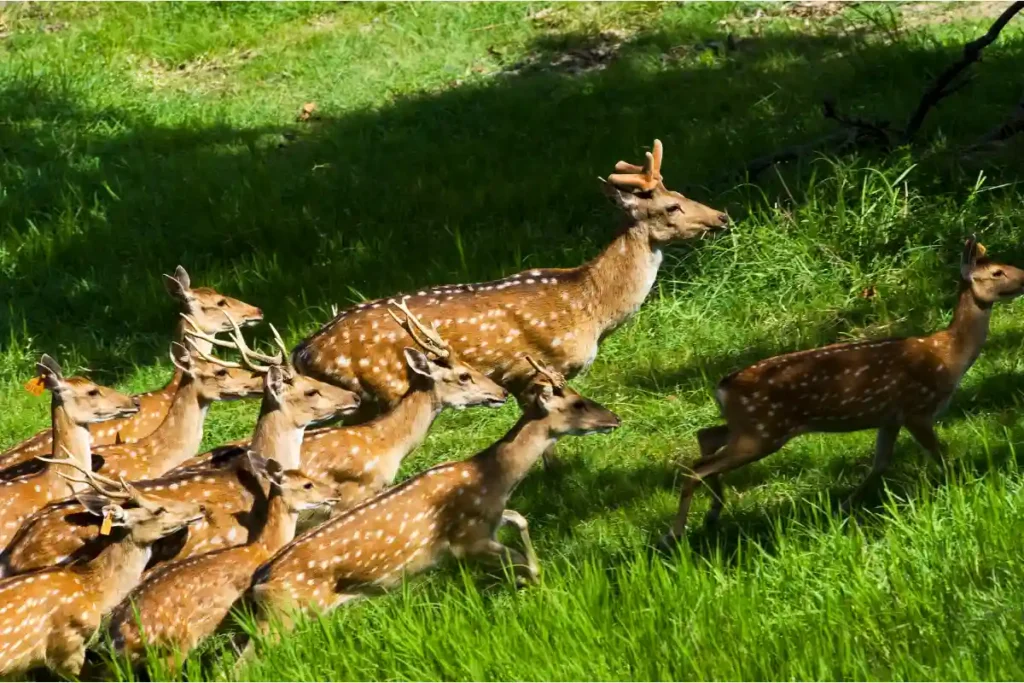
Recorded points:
(465, 183)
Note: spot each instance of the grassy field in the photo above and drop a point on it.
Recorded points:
(462, 142)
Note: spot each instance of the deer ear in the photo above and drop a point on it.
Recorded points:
(625, 200)
(274, 470)
(179, 284)
(182, 358)
(273, 384)
(50, 372)
(253, 463)
(102, 507)
(417, 361)
(969, 258)
(545, 394)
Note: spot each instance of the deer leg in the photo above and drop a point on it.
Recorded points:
(492, 551)
(924, 433)
(885, 442)
(513, 518)
(70, 665)
(710, 441)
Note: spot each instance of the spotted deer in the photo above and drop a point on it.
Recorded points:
(886, 385)
(558, 316)
(453, 509)
(362, 460)
(204, 380)
(75, 404)
(205, 307)
(61, 532)
(47, 617)
(181, 603)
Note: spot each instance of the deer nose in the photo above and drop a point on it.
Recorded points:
(723, 220)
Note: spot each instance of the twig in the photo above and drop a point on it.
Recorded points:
(941, 87)
(1007, 129)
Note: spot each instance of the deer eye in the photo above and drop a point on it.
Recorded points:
(674, 208)
(579, 406)
(464, 377)
(308, 485)
(310, 393)
(998, 272)
(221, 373)
(94, 392)
(222, 303)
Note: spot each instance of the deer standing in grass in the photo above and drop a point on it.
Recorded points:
(47, 617)
(452, 509)
(75, 404)
(181, 603)
(362, 460)
(886, 385)
(61, 532)
(558, 316)
(206, 308)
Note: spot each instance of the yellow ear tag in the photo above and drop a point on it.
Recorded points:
(35, 386)
(980, 248)
(108, 521)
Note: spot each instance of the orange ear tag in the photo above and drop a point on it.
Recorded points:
(980, 249)
(35, 386)
(108, 521)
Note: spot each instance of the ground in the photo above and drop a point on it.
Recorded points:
(305, 156)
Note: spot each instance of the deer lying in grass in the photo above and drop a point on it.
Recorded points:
(558, 316)
(204, 379)
(181, 603)
(886, 385)
(206, 307)
(452, 509)
(76, 403)
(61, 533)
(48, 616)
(362, 460)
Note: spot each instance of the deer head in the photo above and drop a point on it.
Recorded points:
(207, 307)
(667, 215)
(989, 282)
(455, 384)
(567, 412)
(299, 492)
(213, 380)
(83, 401)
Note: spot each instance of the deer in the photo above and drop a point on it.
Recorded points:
(558, 316)
(75, 404)
(48, 616)
(886, 385)
(62, 532)
(362, 460)
(181, 603)
(204, 380)
(205, 306)
(453, 509)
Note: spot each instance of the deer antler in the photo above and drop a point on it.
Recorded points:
(431, 340)
(238, 344)
(199, 334)
(646, 177)
(554, 377)
(122, 490)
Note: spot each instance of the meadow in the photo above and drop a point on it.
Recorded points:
(455, 143)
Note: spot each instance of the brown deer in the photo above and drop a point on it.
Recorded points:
(452, 509)
(181, 603)
(558, 316)
(61, 533)
(75, 404)
(204, 379)
(48, 616)
(362, 460)
(205, 306)
(885, 384)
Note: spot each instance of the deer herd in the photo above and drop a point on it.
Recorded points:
(114, 528)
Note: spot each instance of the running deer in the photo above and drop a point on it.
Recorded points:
(204, 379)
(47, 617)
(886, 385)
(455, 508)
(206, 307)
(362, 460)
(60, 533)
(181, 603)
(75, 404)
(558, 316)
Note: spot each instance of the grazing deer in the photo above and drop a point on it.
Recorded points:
(362, 460)
(204, 379)
(558, 316)
(181, 603)
(61, 533)
(75, 404)
(205, 306)
(48, 616)
(455, 508)
(886, 385)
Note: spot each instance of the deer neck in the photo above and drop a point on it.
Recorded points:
(277, 437)
(620, 278)
(968, 331)
(279, 529)
(407, 424)
(181, 433)
(507, 462)
(70, 439)
(115, 571)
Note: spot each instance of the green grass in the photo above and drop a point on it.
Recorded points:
(136, 137)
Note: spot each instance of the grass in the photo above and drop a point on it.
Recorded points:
(136, 137)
